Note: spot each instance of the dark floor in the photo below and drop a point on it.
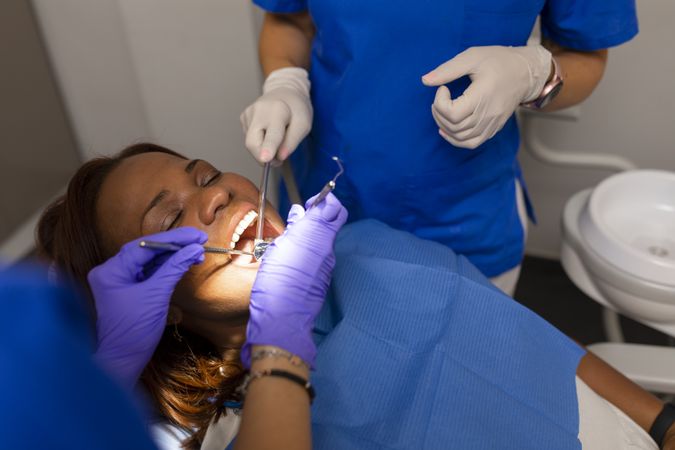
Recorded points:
(545, 288)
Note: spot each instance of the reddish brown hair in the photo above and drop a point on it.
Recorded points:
(187, 377)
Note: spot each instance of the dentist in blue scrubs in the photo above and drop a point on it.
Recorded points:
(417, 98)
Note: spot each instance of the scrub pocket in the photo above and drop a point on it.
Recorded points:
(498, 22)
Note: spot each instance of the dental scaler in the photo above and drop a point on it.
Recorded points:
(174, 248)
(260, 245)
(328, 187)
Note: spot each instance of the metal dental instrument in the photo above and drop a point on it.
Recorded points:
(328, 187)
(259, 245)
(175, 248)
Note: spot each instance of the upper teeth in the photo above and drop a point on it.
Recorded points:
(244, 223)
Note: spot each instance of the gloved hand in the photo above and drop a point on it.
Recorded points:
(293, 280)
(501, 79)
(131, 307)
(279, 120)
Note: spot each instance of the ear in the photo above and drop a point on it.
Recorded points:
(175, 315)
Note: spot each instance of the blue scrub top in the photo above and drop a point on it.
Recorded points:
(371, 110)
(53, 394)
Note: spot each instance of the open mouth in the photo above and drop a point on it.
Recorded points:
(243, 237)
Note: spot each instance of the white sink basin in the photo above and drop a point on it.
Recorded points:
(630, 221)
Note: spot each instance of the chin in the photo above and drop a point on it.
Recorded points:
(230, 285)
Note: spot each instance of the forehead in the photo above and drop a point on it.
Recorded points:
(128, 190)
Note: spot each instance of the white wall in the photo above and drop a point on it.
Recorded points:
(631, 114)
(175, 72)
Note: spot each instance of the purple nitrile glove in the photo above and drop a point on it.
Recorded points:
(132, 306)
(292, 281)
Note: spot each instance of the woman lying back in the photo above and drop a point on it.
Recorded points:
(415, 348)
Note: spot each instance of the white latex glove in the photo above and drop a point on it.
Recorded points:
(279, 119)
(501, 79)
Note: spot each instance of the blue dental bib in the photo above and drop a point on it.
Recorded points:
(417, 350)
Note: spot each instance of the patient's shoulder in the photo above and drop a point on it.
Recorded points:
(372, 238)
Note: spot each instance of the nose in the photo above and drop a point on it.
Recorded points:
(212, 200)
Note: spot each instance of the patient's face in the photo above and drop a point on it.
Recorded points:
(154, 192)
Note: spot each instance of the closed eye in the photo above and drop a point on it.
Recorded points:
(211, 178)
(175, 221)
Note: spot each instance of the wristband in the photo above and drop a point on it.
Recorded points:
(550, 91)
(661, 424)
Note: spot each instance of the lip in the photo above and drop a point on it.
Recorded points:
(241, 210)
(221, 235)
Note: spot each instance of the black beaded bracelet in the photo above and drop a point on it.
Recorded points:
(305, 384)
(661, 424)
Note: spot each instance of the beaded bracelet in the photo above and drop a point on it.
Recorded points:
(278, 353)
(305, 384)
